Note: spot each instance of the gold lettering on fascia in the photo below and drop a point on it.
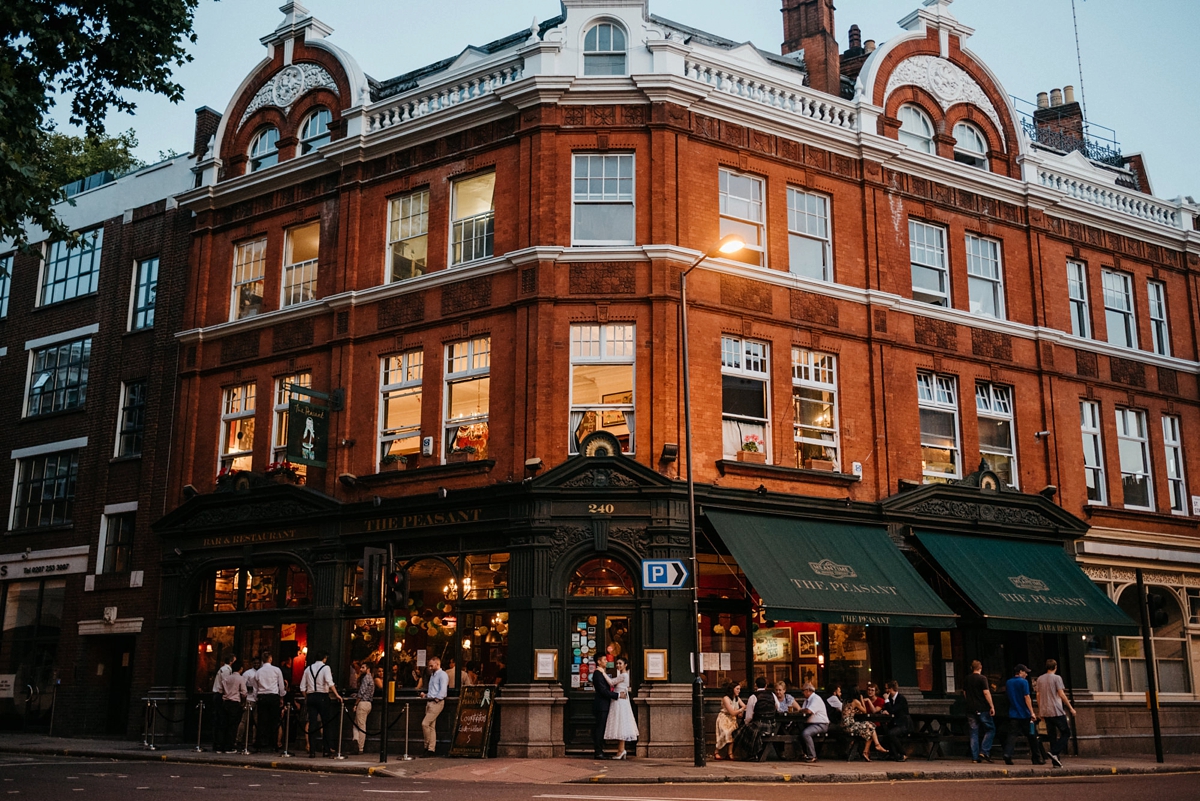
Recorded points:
(1044, 600)
(870, 620)
(422, 520)
(249, 539)
(1065, 628)
(844, 586)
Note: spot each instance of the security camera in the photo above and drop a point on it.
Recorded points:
(1041, 434)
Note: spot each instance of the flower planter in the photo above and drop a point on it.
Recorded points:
(459, 457)
(283, 477)
(391, 467)
(819, 464)
(753, 457)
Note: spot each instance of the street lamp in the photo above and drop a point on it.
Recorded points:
(730, 244)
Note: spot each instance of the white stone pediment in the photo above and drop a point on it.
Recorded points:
(948, 83)
(287, 86)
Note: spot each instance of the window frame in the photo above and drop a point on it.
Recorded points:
(289, 288)
(1176, 473)
(280, 403)
(976, 260)
(921, 142)
(606, 340)
(595, 54)
(1129, 313)
(137, 430)
(620, 199)
(970, 155)
(1091, 432)
(399, 223)
(991, 406)
(6, 268)
(471, 372)
(58, 253)
(227, 460)
(145, 293)
(1080, 305)
(406, 387)
(738, 346)
(1160, 332)
(939, 248)
(1123, 417)
(940, 384)
(723, 214)
(805, 376)
(260, 259)
(260, 158)
(795, 214)
(68, 501)
(488, 219)
(80, 368)
(109, 550)
(310, 142)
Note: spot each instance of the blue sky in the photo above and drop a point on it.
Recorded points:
(1138, 57)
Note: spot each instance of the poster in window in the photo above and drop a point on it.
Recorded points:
(614, 419)
(773, 645)
(308, 433)
(806, 642)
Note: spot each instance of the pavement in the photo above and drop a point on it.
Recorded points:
(580, 770)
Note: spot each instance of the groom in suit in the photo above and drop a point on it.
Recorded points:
(602, 699)
(901, 723)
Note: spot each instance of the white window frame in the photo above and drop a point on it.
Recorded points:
(408, 221)
(121, 410)
(264, 150)
(281, 402)
(256, 250)
(595, 53)
(1077, 292)
(1156, 301)
(939, 393)
(1176, 475)
(311, 140)
(1129, 421)
(617, 190)
(111, 512)
(816, 371)
(231, 414)
(409, 367)
(985, 273)
(458, 226)
(609, 343)
(749, 359)
(996, 402)
(929, 255)
(808, 211)
(1118, 303)
(910, 116)
(292, 291)
(472, 362)
(738, 224)
(144, 295)
(1093, 450)
(970, 145)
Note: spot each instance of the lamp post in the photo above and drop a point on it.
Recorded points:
(728, 245)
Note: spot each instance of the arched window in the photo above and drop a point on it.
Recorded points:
(236, 589)
(314, 132)
(916, 130)
(1170, 644)
(264, 150)
(604, 50)
(969, 146)
(600, 578)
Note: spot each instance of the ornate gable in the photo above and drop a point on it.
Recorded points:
(962, 506)
(266, 506)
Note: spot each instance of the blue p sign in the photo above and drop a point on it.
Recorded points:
(663, 574)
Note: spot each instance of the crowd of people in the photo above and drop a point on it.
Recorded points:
(1052, 707)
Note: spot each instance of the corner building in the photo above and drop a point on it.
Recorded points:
(479, 262)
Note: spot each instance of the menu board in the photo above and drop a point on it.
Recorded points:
(473, 724)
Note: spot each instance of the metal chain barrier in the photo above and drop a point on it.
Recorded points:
(172, 721)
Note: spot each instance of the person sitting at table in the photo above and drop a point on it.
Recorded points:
(728, 720)
(813, 709)
(833, 704)
(760, 722)
(784, 702)
(855, 723)
(900, 722)
(873, 700)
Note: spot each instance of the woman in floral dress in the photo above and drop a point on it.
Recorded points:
(855, 723)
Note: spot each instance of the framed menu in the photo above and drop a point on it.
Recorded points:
(545, 664)
(655, 662)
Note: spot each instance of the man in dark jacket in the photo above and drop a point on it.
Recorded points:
(602, 699)
(896, 707)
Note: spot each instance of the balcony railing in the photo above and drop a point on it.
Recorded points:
(1098, 142)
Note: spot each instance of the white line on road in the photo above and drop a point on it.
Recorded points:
(403, 792)
(634, 798)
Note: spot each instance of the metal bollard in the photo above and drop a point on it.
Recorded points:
(199, 725)
(248, 717)
(341, 726)
(146, 725)
(406, 757)
(153, 710)
(287, 728)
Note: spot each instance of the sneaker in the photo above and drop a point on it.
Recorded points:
(1055, 760)
(1008, 760)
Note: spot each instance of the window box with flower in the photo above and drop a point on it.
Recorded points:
(754, 450)
(392, 462)
(460, 455)
(283, 472)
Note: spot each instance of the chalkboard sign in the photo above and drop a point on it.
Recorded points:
(473, 725)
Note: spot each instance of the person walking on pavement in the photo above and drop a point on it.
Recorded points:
(1021, 717)
(435, 701)
(270, 692)
(981, 713)
(218, 701)
(1052, 697)
(364, 694)
(319, 693)
(233, 693)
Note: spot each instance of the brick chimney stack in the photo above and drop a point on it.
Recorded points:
(207, 122)
(808, 26)
(1062, 116)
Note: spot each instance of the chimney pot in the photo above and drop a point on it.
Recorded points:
(1068, 94)
(808, 26)
(869, 45)
(855, 37)
(1043, 100)
(1055, 97)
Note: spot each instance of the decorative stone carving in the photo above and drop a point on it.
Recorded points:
(948, 83)
(600, 477)
(603, 278)
(565, 538)
(287, 86)
(1003, 515)
(746, 294)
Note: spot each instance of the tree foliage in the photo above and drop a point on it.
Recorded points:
(92, 52)
(71, 158)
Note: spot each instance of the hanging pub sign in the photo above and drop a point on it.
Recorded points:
(307, 433)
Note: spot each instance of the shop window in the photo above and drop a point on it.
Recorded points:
(485, 576)
(33, 623)
(215, 643)
(1099, 664)
(71, 271)
(1171, 647)
(1077, 293)
(602, 374)
(300, 251)
(937, 399)
(594, 637)
(472, 218)
(997, 437)
(45, 493)
(236, 589)
(58, 377)
(923, 653)
(742, 213)
(814, 397)
(598, 578)
(603, 199)
(916, 130)
(1133, 445)
(367, 635)
(408, 235)
(430, 624)
(249, 270)
(264, 149)
(468, 393)
(237, 428)
(720, 577)
(745, 409)
(279, 418)
(849, 660)
(484, 648)
(314, 131)
(400, 405)
(145, 291)
(927, 254)
(604, 50)
(723, 634)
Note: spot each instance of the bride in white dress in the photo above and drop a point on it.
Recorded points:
(621, 725)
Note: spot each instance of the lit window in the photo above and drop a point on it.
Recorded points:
(1093, 453)
(45, 493)
(916, 130)
(937, 399)
(132, 425)
(408, 235)
(969, 146)
(603, 199)
(745, 405)
(249, 268)
(468, 390)
(472, 218)
(145, 290)
(809, 251)
(741, 208)
(1081, 315)
(70, 272)
(814, 396)
(1134, 447)
(984, 277)
(1156, 294)
(604, 50)
(264, 149)
(237, 427)
(300, 251)
(400, 404)
(1118, 309)
(314, 131)
(927, 251)
(116, 547)
(279, 422)
(602, 370)
(58, 377)
(997, 434)
(6, 263)
(1173, 444)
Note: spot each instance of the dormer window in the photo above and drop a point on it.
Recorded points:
(604, 50)
(916, 130)
(315, 130)
(969, 146)
(264, 150)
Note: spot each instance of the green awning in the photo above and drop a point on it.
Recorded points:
(829, 572)
(1026, 586)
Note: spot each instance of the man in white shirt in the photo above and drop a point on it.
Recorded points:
(248, 717)
(435, 700)
(818, 720)
(270, 692)
(217, 701)
(233, 692)
(320, 691)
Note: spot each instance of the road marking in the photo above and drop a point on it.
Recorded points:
(143, 788)
(635, 798)
(407, 792)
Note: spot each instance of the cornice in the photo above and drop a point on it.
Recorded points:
(244, 187)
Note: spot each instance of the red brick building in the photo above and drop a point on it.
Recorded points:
(524, 211)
